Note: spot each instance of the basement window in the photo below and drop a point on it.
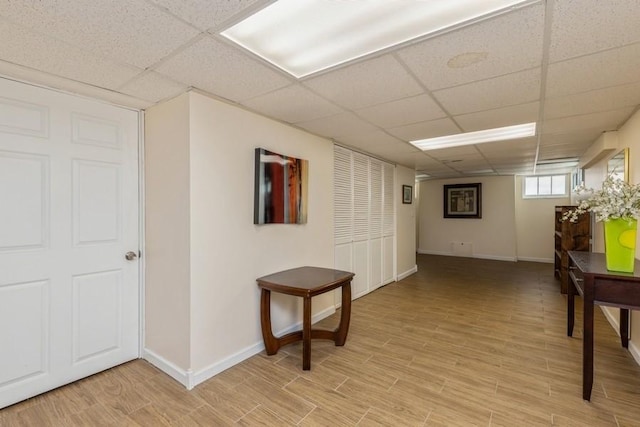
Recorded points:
(544, 186)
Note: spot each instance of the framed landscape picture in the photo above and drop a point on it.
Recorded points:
(463, 200)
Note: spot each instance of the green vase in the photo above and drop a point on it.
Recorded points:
(620, 244)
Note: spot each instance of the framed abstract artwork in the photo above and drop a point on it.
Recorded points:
(280, 193)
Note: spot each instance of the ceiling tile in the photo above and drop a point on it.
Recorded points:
(499, 117)
(585, 26)
(132, 32)
(517, 169)
(609, 120)
(366, 83)
(453, 152)
(418, 160)
(339, 125)
(512, 89)
(569, 138)
(403, 111)
(610, 68)
(558, 152)
(429, 129)
(378, 140)
(215, 67)
(514, 163)
(292, 104)
(501, 45)
(512, 148)
(207, 14)
(594, 101)
(55, 57)
(424, 161)
(482, 75)
(152, 87)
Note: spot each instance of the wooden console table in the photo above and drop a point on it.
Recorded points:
(305, 282)
(591, 279)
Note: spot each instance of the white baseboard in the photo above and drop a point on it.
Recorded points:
(426, 252)
(532, 259)
(407, 273)
(615, 323)
(190, 379)
(635, 351)
(169, 368)
(479, 256)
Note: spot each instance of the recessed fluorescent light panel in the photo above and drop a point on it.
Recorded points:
(479, 137)
(303, 37)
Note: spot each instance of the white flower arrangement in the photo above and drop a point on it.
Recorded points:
(617, 199)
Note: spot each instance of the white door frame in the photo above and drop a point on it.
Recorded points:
(141, 233)
(141, 194)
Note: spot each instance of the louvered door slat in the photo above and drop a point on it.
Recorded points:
(360, 197)
(342, 196)
(388, 210)
(375, 208)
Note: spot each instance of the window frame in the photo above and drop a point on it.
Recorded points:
(545, 196)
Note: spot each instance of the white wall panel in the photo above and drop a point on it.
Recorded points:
(387, 259)
(375, 263)
(25, 351)
(96, 202)
(343, 257)
(360, 284)
(97, 316)
(24, 215)
(95, 131)
(24, 118)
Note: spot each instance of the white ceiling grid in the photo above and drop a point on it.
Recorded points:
(483, 75)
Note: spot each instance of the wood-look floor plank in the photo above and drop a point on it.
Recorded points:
(461, 342)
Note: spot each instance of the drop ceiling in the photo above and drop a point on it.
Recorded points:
(569, 65)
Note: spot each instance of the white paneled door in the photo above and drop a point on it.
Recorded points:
(69, 298)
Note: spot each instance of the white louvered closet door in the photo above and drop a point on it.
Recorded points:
(375, 223)
(364, 219)
(342, 209)
(388, 224)
(360, 224)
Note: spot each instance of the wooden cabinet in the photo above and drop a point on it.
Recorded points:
(569, 236)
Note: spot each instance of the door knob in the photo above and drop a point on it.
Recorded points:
(131, 255)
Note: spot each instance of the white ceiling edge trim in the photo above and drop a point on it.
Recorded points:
(51, 81)
(602, 147)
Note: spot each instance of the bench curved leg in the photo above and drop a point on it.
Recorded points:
(271, 343)
(345, 315)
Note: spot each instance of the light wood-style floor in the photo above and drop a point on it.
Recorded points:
(462, 342)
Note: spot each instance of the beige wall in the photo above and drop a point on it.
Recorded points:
(492, 237)
(405, 224)
(228, 251)
(627, 137)
(203, 252)
(167, 230)
(535, 225)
